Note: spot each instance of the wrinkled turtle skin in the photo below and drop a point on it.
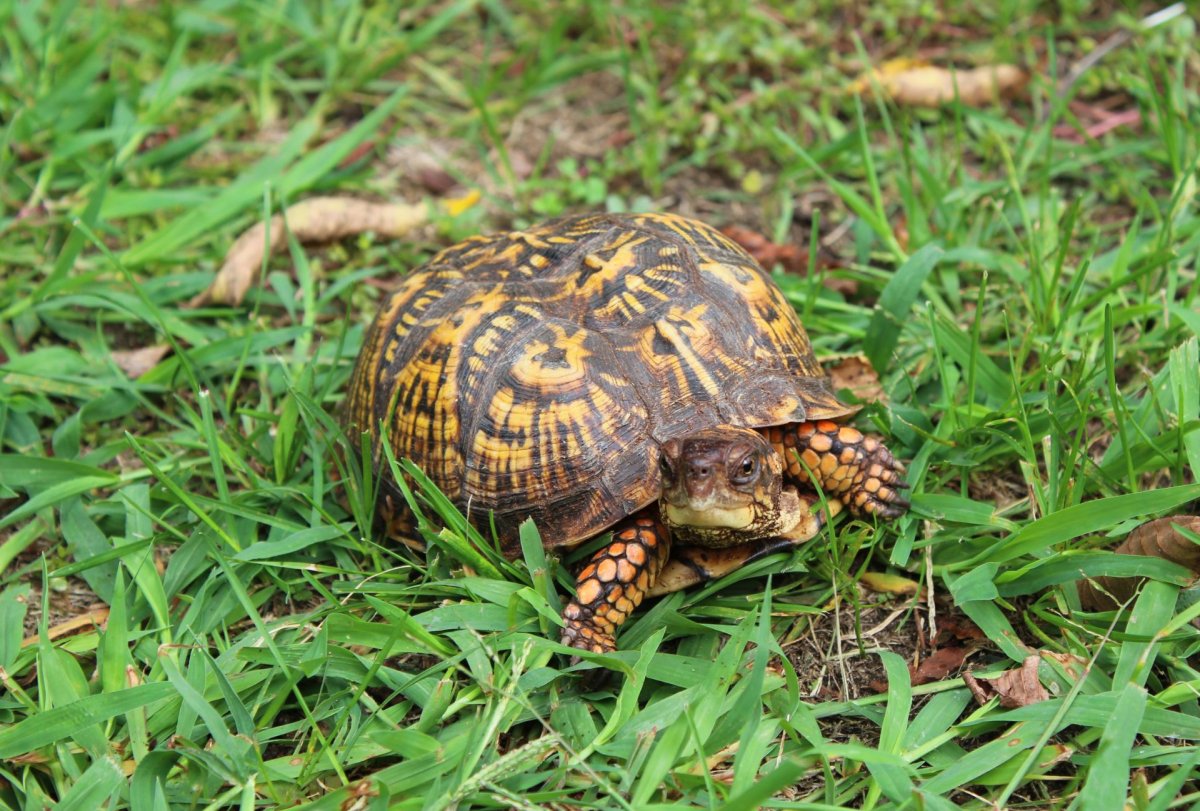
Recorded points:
(634, 373)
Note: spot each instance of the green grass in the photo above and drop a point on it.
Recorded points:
(1030, 302)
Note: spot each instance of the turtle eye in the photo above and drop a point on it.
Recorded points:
(747, 469)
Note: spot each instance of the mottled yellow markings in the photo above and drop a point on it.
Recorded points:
(682, 226)
(529, 238)
(477, 264)
(621, 257)
(553, 364)
(690, 344)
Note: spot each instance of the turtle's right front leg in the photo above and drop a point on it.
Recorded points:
(615, 581)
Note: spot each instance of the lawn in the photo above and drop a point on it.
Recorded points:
(197, 608)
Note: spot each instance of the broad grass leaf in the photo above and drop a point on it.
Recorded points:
(303, 539)
(67, 720)
(95, 787)
(894, 781)
(1074, 566)
(895, 302)
(14, 605)
(1153, 610)
(1106, 782)
(1094, 711)
(984, 759)
(148, 786)
(1090, 516)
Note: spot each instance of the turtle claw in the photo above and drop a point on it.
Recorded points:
(577, 633)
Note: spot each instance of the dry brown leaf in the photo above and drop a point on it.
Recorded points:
(938, 665)
(136, 362)
(767, 253)
(319, 219)
(1015, 688)
(94, 617)
(957, 627)
(854, 372)
(1158, 539)
(916, 84)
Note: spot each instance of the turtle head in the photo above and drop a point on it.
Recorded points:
(724, 486)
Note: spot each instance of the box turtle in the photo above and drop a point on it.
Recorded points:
(634, 373)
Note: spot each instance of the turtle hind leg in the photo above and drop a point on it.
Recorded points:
(690, 565)
(614, 582)
(855, 468)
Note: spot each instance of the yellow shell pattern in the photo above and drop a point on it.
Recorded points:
(535, 373)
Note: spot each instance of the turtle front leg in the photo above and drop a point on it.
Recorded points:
(614, 582)
(855, 468)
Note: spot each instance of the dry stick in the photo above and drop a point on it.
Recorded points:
(1115, 41)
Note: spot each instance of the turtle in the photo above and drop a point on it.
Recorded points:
(639, 374)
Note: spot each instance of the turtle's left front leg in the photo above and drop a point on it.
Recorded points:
(853, 467)
(615, 581)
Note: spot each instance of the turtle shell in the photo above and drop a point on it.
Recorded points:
(535, 373)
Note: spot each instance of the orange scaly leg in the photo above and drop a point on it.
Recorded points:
(850, 466)
(614, 582)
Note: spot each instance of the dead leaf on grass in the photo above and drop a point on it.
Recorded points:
(767, 253)
(917, 84)
(938, 665)
(136, 362)
(94, 617)
(1158, 539)
(957, 627)
(882, 583)
(855, 373)
(1014, 688)
(318, 219)
(1107, 122)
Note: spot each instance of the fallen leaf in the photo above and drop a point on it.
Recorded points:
(889, 583)
(92, 618)
(435, 180)
(1108, 122)
(917, 84)
(956, 627)
(1157, 538)
(358, 153)
(938, 665)
(855, 373)
(136, 362)
(318, 219)
(767, 253)
(1014, 688)
(160, 138)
